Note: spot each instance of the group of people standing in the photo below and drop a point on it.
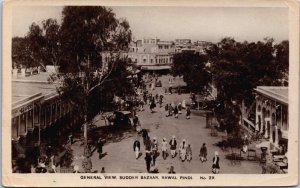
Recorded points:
(184, 150)
(172, 109)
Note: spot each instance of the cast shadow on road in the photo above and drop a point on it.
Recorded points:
(140, 154)
(112, 134)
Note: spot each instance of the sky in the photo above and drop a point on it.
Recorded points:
(170, 23)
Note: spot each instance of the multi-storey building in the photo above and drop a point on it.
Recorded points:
(148, 54)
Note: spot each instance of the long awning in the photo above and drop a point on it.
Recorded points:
(161, 67)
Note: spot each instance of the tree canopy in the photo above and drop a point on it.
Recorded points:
(239, 67)
(192, 67)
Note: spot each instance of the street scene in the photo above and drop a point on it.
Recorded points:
(100, 89)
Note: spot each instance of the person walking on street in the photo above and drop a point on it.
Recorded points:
(179, 108)
(160, 102)
(148, 160)
(183, 104)
(141, 105)
(100, 147)
(173, 145)
(148, 144)
(71, 138)
(170, 110)
(154, 147)
(182, 150)
(144, 135)
(167, 110)
(189, 153)
(203, 153)
(164, 146)
(87, 150)
(216, 166)
(87, 164)
(188, 112)
(152, 106)
(136, 148)
(176, 112)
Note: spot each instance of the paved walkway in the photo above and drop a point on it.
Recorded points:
(120, 157)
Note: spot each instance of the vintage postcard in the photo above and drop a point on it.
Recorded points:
(150, 93)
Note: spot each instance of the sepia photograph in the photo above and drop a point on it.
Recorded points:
(148, 92)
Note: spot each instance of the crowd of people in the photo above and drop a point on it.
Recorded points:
(183, 149)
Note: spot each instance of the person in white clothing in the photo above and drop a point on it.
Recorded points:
(182, 150)
(183, 104)
(164, 146)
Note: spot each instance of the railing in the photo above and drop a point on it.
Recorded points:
(249, 125)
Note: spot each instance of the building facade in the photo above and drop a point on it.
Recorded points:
(148, 54)
(272, 114)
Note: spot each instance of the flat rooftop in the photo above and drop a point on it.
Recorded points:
(278, 93)
(24, 87)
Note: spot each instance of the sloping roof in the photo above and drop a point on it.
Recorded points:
(280, 94)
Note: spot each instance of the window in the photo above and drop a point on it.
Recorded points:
(151, 60)
(144, 60)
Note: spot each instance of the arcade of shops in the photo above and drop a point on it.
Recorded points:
(272, 115)
(38, 118)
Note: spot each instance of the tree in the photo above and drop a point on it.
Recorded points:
(192, 67)
(40, 47)
(51, 47)
(94, 30)
(239, 67)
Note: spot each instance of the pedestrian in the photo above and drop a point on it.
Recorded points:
(164, 146)
(216, 166)
(173, 145)
(100, 147)
(136, 123)
(102, 170)
(167, 110)
(144, 135)
(172, 170)
(87, 164)
(188, 112)
(170, 89)
(152, 106)
(136, 148)
(189, 153)
(203, 153)
(156, 97)
(154, 147)
(176, 112)
(76, 169)
(148, 144)
(179, 108)
(135, 120)
(160, 102)
(170, 110)
(87, 150)
(182, 150)
(148, 160)
(141, 105)
(183, 104)
(71, 138)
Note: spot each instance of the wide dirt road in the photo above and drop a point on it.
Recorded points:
(120, 156)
